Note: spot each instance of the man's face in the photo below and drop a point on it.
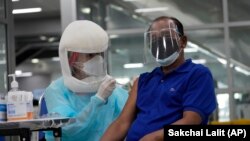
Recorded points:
(163, 39)
(165, 28)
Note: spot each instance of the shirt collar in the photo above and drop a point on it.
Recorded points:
(185, 67)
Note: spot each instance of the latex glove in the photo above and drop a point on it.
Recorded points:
(106, 88)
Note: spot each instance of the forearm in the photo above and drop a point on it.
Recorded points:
(85, 117)
(181, 121)
(154, 136)
(189, 118)
(116, 132)
(118, 129)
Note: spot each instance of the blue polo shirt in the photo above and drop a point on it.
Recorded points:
(161, 99)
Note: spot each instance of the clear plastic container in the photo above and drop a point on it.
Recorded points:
(19, 103)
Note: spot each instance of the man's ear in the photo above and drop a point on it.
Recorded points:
(183, 41)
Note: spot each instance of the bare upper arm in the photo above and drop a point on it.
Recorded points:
(129, 111)
(189, 117)
(192, 117)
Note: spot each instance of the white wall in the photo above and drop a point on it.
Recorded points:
(36, 81)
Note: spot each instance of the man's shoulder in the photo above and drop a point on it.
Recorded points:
(200, 69)
(145, 74)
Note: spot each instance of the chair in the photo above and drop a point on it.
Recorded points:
(42, 110)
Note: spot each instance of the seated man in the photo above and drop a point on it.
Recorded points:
(85, 91)
(177, 92)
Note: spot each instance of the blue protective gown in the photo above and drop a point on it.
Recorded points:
(92, 115)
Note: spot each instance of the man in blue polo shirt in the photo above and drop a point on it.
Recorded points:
(178, 92)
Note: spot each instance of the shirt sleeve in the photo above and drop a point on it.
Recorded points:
(200, 95)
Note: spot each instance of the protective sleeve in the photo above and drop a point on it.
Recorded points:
(200, 95)
(56, 102)
(121, 96)
(83, 119)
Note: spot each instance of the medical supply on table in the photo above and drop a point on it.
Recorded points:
(19, 103)
(2, 108)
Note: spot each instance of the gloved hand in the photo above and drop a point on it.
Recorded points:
(106, 88)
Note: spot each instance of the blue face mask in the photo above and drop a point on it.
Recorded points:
(168, 61)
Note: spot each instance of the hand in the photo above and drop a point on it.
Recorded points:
(106, 88)
(154, 136)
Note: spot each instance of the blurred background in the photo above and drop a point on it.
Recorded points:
(217, 30)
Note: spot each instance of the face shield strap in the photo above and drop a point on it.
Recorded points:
(171, 33)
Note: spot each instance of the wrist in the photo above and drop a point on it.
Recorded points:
(101, 98)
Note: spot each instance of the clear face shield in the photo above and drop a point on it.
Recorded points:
(162, 46)
(87, 65)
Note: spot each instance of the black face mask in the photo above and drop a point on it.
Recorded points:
(164, 51)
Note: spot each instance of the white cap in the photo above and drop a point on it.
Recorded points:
(14, 83)
(84, 36)
(81, 36)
